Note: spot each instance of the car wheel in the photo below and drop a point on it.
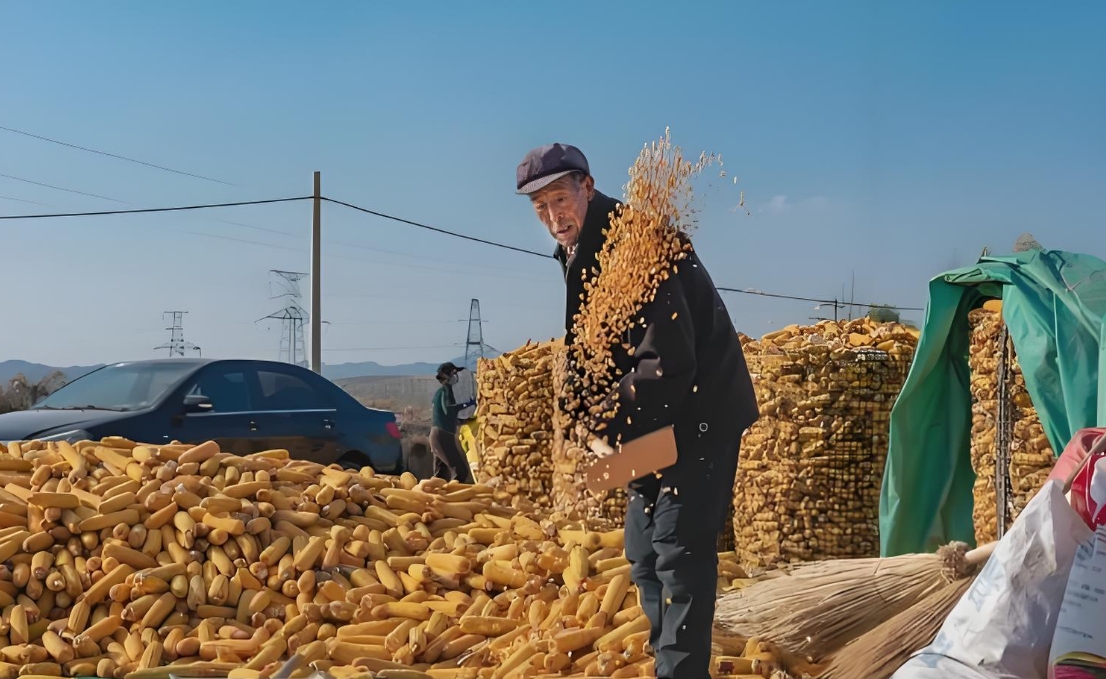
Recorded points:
(354, 461)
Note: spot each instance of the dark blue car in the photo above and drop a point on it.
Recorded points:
(245, 406)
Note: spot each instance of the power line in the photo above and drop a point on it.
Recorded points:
(759, 293)
(280, 232)
(359, 246)
(547, 256)
(440, 346)
(123, 202)
(422, 299)
(232, 239)
(114, 155)
(399, 265)
(146, 210)
(435, 229)
(839, 303)
(101, 213)
(22, 200)
(349, 244)
(427, 321)
(266, 229)
(57, 188)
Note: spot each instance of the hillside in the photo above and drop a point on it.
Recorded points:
(374, 369)
(393, 393)
(36, 372)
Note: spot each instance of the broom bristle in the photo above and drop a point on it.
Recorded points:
(880, 652)
(822, 606)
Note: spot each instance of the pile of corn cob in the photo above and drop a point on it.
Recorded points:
(810, 471)
(983, 358)
(125, 560)
(1031, 456)
(515, 393)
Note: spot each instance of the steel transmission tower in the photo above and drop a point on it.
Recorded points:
(473, 342)
(176, 344)
(292, 317)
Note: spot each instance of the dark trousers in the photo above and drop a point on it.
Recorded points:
(672, 528)
(449, 460)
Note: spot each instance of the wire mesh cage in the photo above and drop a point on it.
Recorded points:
(808, 481)
(1010, 453)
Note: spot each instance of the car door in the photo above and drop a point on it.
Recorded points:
(295, 414)
(231, 421)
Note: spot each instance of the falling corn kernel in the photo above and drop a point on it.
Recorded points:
(645, 242)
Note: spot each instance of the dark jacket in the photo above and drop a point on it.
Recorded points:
(688, 371)
(445, 410)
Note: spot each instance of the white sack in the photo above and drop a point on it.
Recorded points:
(1002, 628)
(1081, 627)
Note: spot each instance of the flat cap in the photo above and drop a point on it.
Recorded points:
(546, 164)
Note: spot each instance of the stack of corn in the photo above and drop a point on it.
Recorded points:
(985, 327)
(810, 471)
(1031, 455)
(132, 560)
(515, 396)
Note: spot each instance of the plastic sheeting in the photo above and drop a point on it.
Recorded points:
(1053, 305)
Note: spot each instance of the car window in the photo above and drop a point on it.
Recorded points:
(227, 388)
(281, 391)
(124, 386)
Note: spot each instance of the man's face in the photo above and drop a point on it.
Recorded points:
(562, 207)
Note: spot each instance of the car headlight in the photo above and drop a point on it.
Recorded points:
(71, 436)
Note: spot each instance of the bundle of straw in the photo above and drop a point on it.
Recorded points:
(822, 606)
(879, 653)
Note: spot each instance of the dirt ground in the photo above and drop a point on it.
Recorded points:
(409, 399)
(417, 457)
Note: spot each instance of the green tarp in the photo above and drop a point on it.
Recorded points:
(1053, 305)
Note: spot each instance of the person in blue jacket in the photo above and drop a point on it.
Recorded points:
(449, 460)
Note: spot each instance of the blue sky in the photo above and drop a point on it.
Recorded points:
(887, 140)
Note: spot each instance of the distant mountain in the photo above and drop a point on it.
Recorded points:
(36, 372)
(374, 369)
(343, 371)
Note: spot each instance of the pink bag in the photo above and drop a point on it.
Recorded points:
(1073, 465)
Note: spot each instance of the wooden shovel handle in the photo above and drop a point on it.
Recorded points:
(979, 555)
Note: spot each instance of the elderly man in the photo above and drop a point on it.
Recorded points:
(686, 369)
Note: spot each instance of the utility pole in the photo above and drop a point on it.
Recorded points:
(176, 344)
(852, 296)
(316, 276)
